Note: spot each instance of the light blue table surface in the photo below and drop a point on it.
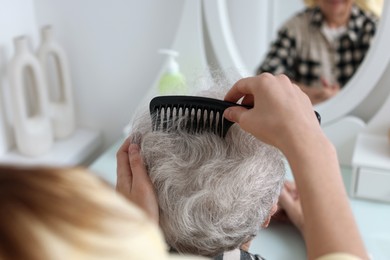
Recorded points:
(283, 241)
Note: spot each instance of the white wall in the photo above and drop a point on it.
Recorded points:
(112, 50)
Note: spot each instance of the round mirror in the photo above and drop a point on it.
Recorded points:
(352, 94)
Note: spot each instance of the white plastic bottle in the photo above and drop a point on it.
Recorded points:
(172, 82)
(32, 126)
(62, 107)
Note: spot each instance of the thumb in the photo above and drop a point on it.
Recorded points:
(142, 192)
(234, 113)
(138, 169)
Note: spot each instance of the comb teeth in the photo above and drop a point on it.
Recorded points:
(194, 114)
(194, 120)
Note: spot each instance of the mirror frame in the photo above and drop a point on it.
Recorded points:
(355, 91)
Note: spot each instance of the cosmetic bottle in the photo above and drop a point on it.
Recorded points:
(55, 68)
(172, 82)
(30, 107)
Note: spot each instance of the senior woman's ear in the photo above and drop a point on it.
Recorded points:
(273, 210)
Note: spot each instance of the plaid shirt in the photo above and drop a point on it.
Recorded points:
(302, 52)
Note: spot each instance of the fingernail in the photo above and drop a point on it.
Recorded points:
(133, 149)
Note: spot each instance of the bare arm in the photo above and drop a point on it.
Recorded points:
(283, 116)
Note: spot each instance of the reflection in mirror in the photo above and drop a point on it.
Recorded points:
(319, 44)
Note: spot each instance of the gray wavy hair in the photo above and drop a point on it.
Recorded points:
(214, 193)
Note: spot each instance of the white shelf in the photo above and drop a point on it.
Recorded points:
(72, 151)
(371, 168)
(372, 151)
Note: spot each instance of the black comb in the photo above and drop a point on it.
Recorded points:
(200, 113)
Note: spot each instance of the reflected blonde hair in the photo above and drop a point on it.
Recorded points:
(71, 214)
(373, 6)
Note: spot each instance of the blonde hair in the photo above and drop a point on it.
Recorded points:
(373, 6)
(71, 214)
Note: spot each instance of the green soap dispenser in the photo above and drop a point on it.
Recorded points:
(172, 82)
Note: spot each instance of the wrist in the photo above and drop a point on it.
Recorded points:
(306, 143)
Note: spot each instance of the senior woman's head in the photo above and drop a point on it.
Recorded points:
(336, 9)
(214, 193)
(336, 13)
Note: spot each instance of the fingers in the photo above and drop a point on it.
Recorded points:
(248, 100)
(142, 190)
(289, 197)
(131, 171)
(292, 206)
(234, 113)
(278, 106)
(239, 89)
(138, 169)
(123, 170)
(287, 203)
(246, 86)
(292, 189)
(285, 200)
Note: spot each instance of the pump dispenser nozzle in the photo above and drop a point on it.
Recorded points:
(172, 66)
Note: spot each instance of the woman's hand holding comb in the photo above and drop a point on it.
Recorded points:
(282, 114)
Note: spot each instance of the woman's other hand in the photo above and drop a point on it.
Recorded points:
(133, 180)
(289, 202)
